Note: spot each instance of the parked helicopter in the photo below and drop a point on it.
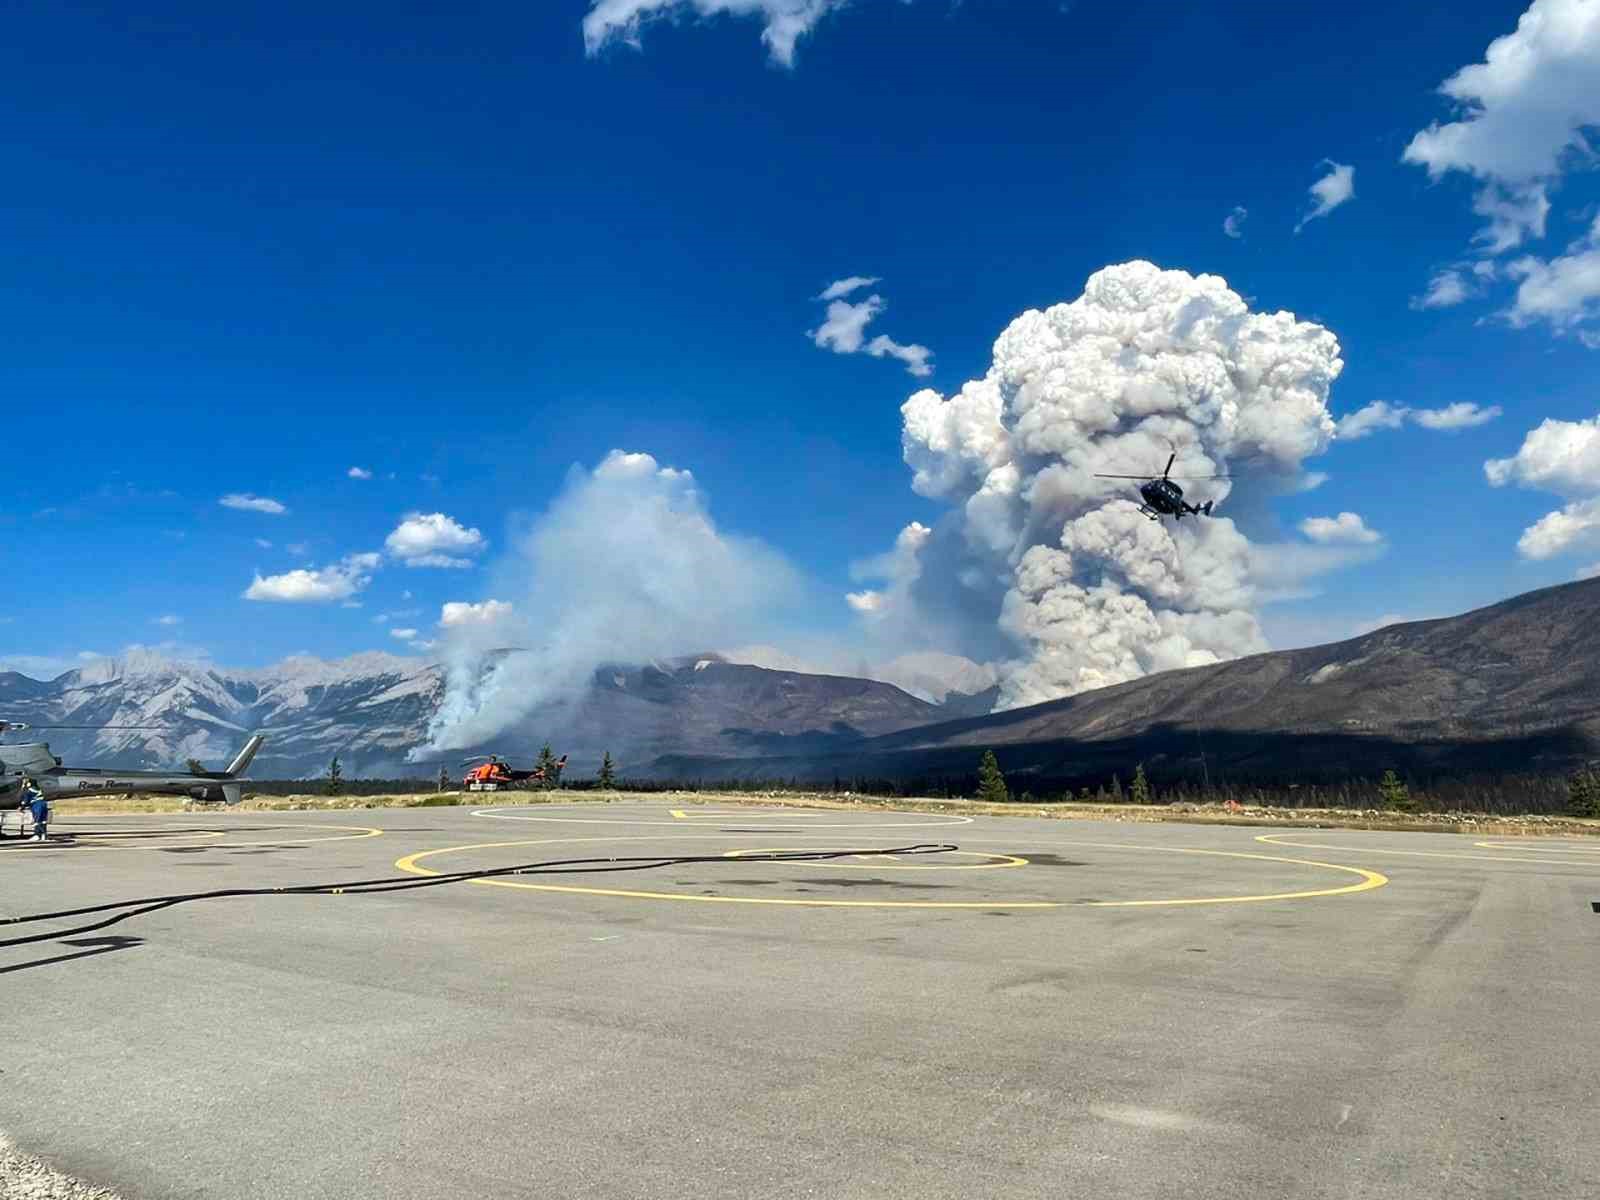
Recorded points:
(493, 773)
(33, 760)
(1163, 497)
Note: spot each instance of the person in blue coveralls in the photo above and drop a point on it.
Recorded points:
(38, 808)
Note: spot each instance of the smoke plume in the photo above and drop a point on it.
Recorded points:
(1055, 572)
(625, 566)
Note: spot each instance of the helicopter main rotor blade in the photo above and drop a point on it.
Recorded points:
(1098, 476)
(32, 726)
(1170, 461)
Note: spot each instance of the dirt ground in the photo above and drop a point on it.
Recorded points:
(1195, 814)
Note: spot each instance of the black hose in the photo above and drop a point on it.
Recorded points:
(397, 883)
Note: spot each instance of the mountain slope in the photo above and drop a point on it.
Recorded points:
(372, 710)
(1522, 675)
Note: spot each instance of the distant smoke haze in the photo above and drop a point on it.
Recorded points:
(625, 566)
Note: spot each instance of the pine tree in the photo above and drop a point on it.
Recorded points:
(1583, 794)
(1393, 793)
(1116, 790)
(335, 777)
(444, 779)
(547, 767)
(1141, 786)
(196, 767)
(608, 774)
(991, 784)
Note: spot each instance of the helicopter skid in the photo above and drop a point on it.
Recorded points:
(1151, 513)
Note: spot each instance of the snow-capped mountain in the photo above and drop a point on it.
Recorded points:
(145, 710)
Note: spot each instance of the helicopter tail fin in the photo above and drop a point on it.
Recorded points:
(241, 762)
(1205, 509)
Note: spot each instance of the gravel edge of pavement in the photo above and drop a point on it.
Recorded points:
(24, 1177)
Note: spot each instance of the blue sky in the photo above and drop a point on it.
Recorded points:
(249, 247)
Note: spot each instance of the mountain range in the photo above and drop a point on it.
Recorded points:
(373, 710)
(1513, 687)
(1508, 688)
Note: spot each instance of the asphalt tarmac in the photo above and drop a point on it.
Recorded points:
(1057, 1008)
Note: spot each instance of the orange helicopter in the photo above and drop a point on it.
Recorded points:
(492, 773)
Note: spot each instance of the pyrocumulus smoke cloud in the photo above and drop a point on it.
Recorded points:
(1086, 591)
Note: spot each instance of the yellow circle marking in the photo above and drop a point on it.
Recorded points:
(888, 862)
(1281, 839)
(1368, 880)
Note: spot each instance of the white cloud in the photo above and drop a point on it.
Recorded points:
(264, 544)
(405, 635)
(1310, 481)
(1381, 415)
(867, 601)
(1514, 214)
(456, 614)
(1557, 456)
(337, 581)
(1561, 457)
(1367, 421)
(1347, 529)
(844, 329)
(1576, 526)
(841, 288)
(1460, 415)
(261, 504)
(359, 473)
(1523, 113)
(1233, 223)
(168, 619)
(1446, 289)
(914, 356)
(1329, 192)
(785, 22)
(1563, 292)
(434, 540)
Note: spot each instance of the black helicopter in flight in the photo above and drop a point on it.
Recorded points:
(1163, 497)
